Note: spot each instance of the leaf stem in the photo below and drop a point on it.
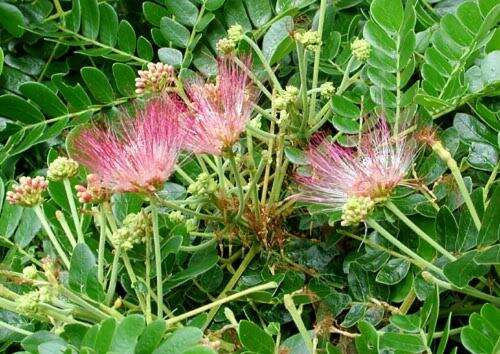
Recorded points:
(393, 208)
(297, 319)
(45, 224)
(264, 62)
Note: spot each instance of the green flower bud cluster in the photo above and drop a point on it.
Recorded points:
(204, 184)
(311, 40)
(360, 49)
(284, 98)
(47, 294)
(135, 229)
(227, 44)
(176, 217)
(355, 210)
(191, 225)
(27, 304)
(255, 123)
(30, 272)
(62, 168)
(327, 89)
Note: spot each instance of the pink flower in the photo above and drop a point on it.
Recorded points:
(220, 111)
(94, 192)
(372, 170)
(140, 155)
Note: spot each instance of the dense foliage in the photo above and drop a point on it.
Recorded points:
(357, 211)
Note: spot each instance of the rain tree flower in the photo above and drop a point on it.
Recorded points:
(61, 168)
(353, 180)
(219, 112)
(28, 192)
(139, 155)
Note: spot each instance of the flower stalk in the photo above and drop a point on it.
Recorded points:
(74, 211)
(158, 259)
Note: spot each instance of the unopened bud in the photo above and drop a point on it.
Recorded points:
(355, 210)
(360, 49)
(28, 192)
(62, 168)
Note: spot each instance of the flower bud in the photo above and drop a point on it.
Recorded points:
(28, 192)
(135, 229)
(62, 168)
(355, 210)
(94, 192)
(284, 98)
(176, 216)
(30, 272)
(311, 40)
(27, 304)
(327, 89)
(225, 46)
(360, 49)
(156, 79)
(235, 33)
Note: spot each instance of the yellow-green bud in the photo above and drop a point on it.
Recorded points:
(176, 216)
(47, 294)
(27, 304)
(360, 49)
(62, 168)
(135, 229)
(225, 45)
(30, 272)
(284, 98)
(355, 210)
(204, 184)
(235, 33)
(327, 89)
(311, 40)
(191, 225)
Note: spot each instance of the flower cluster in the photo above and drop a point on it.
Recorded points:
(360, 49)
(94, 192)
(61, 168)
(158, 77)
(204, 184)
(358, 177)
(235, 34)
(285, 98)
(220, 112)
(311, 40)
(135, 229)
(28, 192)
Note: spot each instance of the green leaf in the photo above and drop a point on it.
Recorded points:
(11, 19)
(153, 12)
(408, 323)
(31, 342)
(368, 342)
(464, 269)
(255, 338)
(170, 56)
(105, 335)
(490, 232)
(151, 337)
(144, 49)
(183, 11)
(174, 32)
(470, 129)
(28, 228)
(482, 334)
(355, 314)
(234, 13)
(405, 342)
(296, 156)
(109, 24)
(18, 109)
(344, 107)
(483, 156)
(124, 79)
(388, 14)
(181, 339)
(45, 98)
(260, 11)
(98, 84)
(213, 5)
(126, 37)
(446, 228)
(393, 271)
(277, 42)
(83, 272)
(1, 61)
(127, 333)
(90, 18)
(488, 256)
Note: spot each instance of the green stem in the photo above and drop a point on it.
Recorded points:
(183, 174)
(220, 301)
(199, 247)
(148, 282)
(158, 260)
(133, 279)
(45, 224)
(239, 185)
(254, 78)
(428, 277)
(290, 306)
(301, 55)
(317, 57)
(67, 230)
(74, 211)
(15, 329)
(113, 278)
(188, 211)
(393, 208)
(102, 245)
(384, 233)
(254, 250)
(264, 62)
(489, 183)
(220, 172)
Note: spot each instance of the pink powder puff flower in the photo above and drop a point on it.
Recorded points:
(221, 111)
(28, 192)
(94, 192)
(141, 154)
(369, 172)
